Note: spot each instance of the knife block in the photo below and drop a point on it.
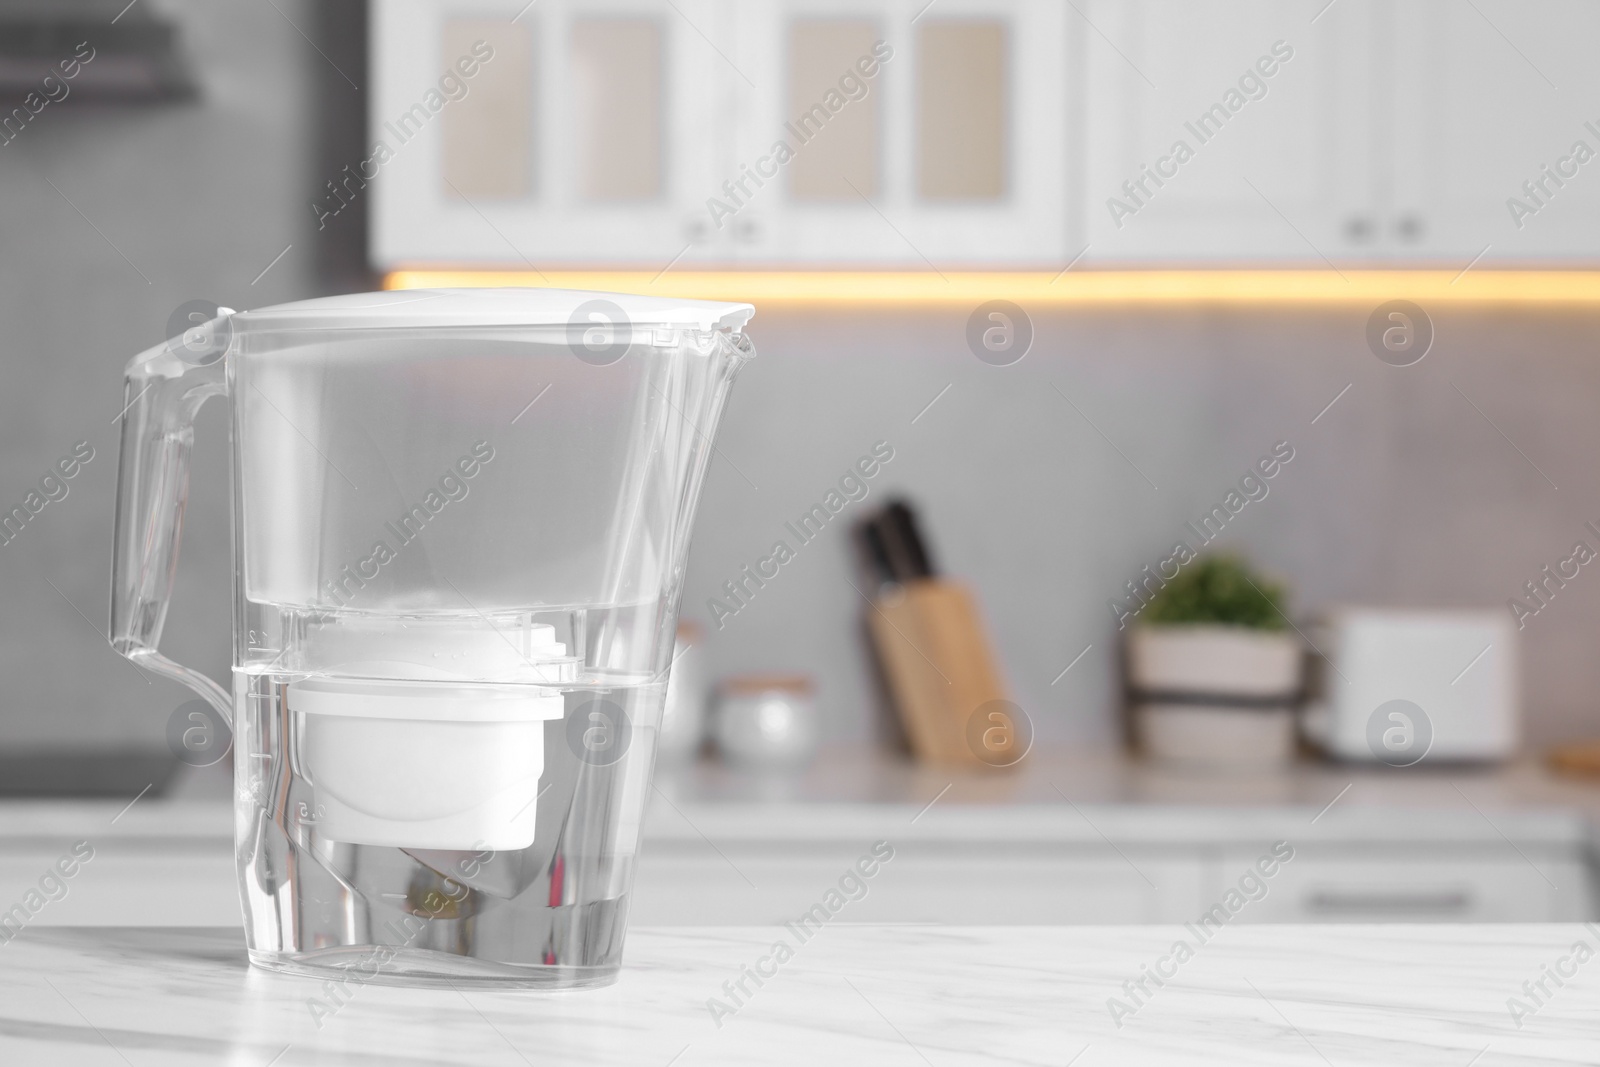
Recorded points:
(940, 668)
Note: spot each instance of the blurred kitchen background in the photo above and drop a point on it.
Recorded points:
(203, 151)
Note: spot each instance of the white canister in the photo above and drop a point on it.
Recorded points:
(767, 720)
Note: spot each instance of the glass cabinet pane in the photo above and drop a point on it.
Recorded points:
(833, 114)
(488, 130)
(962, 110)
(617, 90)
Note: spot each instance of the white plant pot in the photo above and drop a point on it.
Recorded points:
(1201, 736)
(1215, 695)
(1214, 659)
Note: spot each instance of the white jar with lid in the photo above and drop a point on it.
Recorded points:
(683, 715)
(767, 720)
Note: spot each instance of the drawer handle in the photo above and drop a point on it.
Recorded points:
(1354, 902)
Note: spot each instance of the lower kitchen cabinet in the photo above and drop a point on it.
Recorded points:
(983, 885)
(149, 882)
(720, 863)
(941, 882)
(712, 864)
(1381, 885)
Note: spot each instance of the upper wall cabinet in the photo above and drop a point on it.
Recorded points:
(981, 133)
(531, 134)
(648, 132)
(900, 133)
(1221, 129)
(1377, 132)
(1494, 130)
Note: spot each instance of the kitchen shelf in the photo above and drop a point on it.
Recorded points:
(1542, 288)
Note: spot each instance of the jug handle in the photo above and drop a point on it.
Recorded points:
(163, 393)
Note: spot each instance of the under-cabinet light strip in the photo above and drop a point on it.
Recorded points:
(1533, 287)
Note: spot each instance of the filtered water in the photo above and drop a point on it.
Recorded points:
(550, 914)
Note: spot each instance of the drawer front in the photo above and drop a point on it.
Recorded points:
(683, 883)
(1368, 887)
(123, 884)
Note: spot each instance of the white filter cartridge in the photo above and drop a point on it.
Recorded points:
(423, 764)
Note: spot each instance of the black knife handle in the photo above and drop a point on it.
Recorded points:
(907, 549)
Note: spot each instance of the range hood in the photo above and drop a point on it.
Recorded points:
(136, 51)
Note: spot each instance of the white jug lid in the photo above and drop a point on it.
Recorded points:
(445, 308)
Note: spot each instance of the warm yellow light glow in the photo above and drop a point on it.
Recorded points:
(1539, 287)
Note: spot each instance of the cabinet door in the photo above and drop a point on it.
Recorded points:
(1478, 113)
(174, 881)
(685, 882)
(900, 133)
(1376, 883)
(587, 132)
(1233, 130)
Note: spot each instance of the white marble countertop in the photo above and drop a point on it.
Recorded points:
(853, 994)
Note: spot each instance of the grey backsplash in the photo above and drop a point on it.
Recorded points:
(151, 206)
(1400, 494)
(1050, 483)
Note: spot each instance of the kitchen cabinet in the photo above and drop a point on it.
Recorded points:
(647, 134)
(1484, 99)
(741, 861)
(157, 863)
(682, 882)
(588, 131)
(955, 154)
(1395, 135)
(156, 881)
(1377, 884)
(1050, 864)
(1225, 130)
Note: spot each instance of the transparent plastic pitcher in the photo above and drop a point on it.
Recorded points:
(461, 519)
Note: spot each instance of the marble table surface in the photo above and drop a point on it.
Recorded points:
(852, 994)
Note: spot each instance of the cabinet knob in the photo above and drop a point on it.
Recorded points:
(1359, 229)
(1409, 228)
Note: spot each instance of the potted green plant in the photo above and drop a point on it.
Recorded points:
(1214, 669)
